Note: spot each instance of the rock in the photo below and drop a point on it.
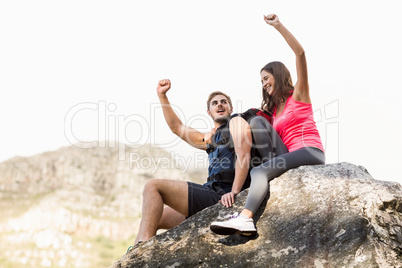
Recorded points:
(332, 215)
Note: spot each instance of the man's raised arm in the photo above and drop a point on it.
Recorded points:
(188, 134)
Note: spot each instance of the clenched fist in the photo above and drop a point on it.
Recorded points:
(163, 86)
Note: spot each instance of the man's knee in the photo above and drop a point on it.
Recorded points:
(168, 189)
(151, 186)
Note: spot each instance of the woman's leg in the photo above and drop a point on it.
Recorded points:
(261, 175)
(266, 139)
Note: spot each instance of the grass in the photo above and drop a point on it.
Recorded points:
(98, 252)
(106, 251)
(15, 205)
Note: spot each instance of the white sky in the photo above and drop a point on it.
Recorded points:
(90, 69)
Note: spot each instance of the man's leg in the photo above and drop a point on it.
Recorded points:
(157, 193)
(170, 218)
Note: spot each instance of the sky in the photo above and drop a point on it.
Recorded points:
(86, 71)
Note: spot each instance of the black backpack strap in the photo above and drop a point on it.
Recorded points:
(227, 176)
(226, 139)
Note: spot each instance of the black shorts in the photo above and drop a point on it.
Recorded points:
(202, 196)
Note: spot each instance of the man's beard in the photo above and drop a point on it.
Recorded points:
(221, 119)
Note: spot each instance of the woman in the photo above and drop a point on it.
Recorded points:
(292, 118)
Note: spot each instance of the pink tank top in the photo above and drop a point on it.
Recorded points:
(296, 126)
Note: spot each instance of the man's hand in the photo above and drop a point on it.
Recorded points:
(228, 199)
(271, 19)
(163, 86)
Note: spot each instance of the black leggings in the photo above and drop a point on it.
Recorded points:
(277, 160)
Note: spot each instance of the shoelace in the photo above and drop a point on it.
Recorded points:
(233, 216)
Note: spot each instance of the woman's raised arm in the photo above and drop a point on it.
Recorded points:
(301, 92)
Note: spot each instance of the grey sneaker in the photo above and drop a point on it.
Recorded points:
(236, 225)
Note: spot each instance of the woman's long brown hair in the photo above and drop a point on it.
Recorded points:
(283, 86)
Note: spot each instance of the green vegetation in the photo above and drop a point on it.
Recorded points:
(13, 205)
(85, 252)
(106, 251)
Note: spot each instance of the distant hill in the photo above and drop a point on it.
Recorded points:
(77, 207)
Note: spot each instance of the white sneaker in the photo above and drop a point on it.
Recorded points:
(236, 225)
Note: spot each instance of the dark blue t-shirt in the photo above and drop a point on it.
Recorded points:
(221, 158)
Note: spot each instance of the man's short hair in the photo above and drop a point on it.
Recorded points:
(213, 94)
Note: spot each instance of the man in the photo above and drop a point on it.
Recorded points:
(184, 199)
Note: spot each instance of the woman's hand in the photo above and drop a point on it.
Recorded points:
(227, 199)
(272, 19)
(163, 86)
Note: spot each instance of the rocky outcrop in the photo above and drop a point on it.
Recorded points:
(333, 215)
(104, 170)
